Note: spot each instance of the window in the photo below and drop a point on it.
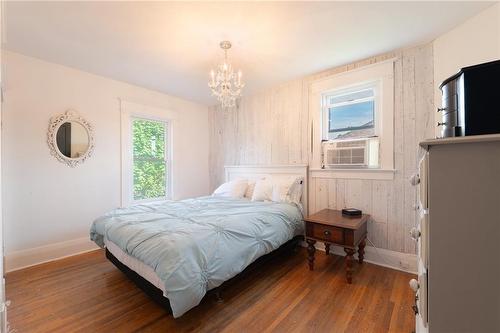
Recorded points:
(352, 123)
(150, 162)
(349, 128)
(349, 114)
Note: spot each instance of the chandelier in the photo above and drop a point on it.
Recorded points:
(225, 84)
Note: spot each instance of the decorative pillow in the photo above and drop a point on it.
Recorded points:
(233, 189)
(251, 185)
(250, 188)
(263, 190)
(287, 189)
(296, 191)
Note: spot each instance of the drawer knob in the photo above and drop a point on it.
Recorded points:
(414, 233)
(327, 232)
(415, 179)
(414, 285)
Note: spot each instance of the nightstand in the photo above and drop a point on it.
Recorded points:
(331, 227)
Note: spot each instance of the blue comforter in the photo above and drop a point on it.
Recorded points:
(195, 245)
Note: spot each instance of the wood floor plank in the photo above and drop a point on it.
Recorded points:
(86, 293)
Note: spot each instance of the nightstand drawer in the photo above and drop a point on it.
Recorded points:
(327, 233)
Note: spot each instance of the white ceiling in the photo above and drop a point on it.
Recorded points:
(171, 46)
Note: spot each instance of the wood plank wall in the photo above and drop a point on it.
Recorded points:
(272, 127)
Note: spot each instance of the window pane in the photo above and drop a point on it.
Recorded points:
(351, 120)
(149, 138)
(149, 179)
(149, 160)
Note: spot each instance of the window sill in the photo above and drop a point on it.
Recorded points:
(142, 201)
(377, 174)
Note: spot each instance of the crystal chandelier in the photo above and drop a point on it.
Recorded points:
(225, 84)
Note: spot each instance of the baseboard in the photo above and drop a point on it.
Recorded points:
(21, 259)
(405, 262)
(38, 255)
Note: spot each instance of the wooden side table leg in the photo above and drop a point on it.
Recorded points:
(327, 248)
(361, 251)
(310, 250)
(348, 263)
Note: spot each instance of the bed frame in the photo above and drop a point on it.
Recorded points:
(232, 172)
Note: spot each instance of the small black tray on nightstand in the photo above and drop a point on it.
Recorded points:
(351, 212)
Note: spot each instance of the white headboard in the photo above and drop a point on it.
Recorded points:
(257, 171)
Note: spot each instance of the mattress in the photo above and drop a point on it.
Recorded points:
(136, 265)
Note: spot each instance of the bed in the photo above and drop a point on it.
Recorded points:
(179, 250)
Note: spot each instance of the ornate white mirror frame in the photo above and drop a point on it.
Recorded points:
(54, 125)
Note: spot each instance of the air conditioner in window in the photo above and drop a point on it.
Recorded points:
(350, 153)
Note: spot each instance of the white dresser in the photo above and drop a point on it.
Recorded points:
(458, 235)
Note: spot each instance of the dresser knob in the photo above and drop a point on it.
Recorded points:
(415, 179)
(414, 285)
(414, 233)
(327, 233)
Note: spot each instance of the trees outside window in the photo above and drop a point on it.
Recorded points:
(150, 174)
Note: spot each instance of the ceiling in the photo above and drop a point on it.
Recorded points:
(171, 46)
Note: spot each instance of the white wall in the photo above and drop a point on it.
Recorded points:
(47, 202)
(475, 41)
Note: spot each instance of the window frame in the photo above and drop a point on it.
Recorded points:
(325, 124)
(167, 158)
(129, 110)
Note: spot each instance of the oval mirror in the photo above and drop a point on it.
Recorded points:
(72, 139)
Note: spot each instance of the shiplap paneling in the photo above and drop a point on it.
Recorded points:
(273, 127)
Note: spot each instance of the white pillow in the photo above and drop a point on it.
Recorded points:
(250, 188)
(287, 189)
(296, 191)
(263, 190)
(233, 189)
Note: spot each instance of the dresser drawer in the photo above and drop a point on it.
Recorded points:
(326, 233)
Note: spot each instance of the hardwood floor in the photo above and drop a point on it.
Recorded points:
(86, 293)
